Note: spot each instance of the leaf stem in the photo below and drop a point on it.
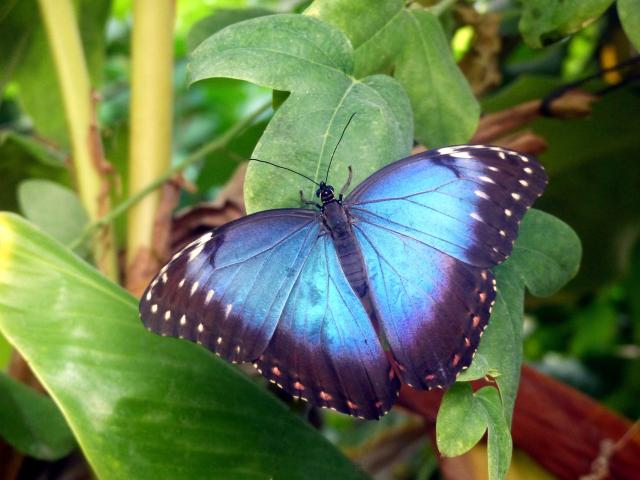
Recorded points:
(217, 144)
(64, 40)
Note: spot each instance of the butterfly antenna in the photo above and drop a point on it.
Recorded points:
(284, 168)
(326, 177)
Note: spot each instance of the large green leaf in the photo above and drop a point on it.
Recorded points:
(546, 21)
(31, 422)
(314, 62)
(140, 405)
(629, 13)
(412, 43)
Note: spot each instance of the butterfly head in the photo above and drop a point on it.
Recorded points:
(325, 193)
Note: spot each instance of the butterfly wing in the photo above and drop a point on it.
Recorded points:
(267, 289)
(466, 201)
(429, 227)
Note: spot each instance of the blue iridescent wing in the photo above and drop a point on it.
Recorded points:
(466, 201)
(429, 227)
(267, 289)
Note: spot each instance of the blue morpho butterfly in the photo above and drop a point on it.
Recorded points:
(340, 304)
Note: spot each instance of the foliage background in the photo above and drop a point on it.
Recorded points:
(586, 335)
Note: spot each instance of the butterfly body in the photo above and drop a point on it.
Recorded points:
(337, 306)
(338, 224)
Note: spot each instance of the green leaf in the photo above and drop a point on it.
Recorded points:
(546, 21)
(140, 405)
(464, 417)
(373, 32)
(547, 253)
(499, 444)
(461, 421)
(445, 108)
(412, 43)
(305, 129)
(501, 343)
(629, 13)
(31, 422)
(55, 209)
(222, 18)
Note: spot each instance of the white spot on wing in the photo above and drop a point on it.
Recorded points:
(200, 327)
(475, 216)
(183, 320)
(167, 315)
(528, 170)
(447, 150)
(209, 296)
(484, 178)
(524, 183)
(164, 278)
(205, 238)
(181, 284)
(502, 155)
(228, 310)
(154, 308)
(148, 297)
(195, 252)
(516, 196)
(194, 287)
(462, 155)
(481, 194)
(507, 212)
(493, 169)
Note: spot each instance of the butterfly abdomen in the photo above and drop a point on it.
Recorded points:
(351, 260)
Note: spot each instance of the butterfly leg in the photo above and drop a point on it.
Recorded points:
(304, 201)
(347, 183)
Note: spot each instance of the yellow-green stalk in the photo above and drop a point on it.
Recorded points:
(151, 114)
(73, 78)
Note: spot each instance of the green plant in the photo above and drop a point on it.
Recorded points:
(142, 406)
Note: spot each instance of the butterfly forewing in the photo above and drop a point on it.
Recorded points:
(465, 201)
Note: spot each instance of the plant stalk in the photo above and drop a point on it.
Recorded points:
(151, 115)
(88, 162)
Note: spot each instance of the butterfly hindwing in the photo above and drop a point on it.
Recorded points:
(267, 289)
(432, 307)
(325, 347)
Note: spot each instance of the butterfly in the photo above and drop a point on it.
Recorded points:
(340, 304)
